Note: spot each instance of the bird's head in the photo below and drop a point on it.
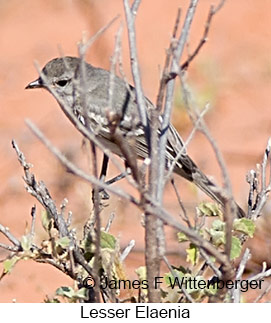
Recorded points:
(57, 75)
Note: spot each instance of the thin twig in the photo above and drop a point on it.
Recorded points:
(259, 297)
(212, 12)
(98, 34)
(9, 248)
(109, 222)
(33, 215)
(10, 236)
(130, 23)
(236, 292)
(127, 250)
(265, 188)
(264, 274)
(96, 202)
(165, 74)
(210, 263)
(115, 57)
(184, 213)
(135, 6)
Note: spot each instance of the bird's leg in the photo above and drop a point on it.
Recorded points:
(117, 178)
(104, 167)
(103, 194)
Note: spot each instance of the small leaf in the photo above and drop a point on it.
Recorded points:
(141, 272)
(170, 279)
(65, 291)
(192, 254)
(182, 237)
(9, 264)
(81, 293)
(218, 237)
(107, 240)
(46, 220)
(26, 242)
(63, 242)
(218, 225)
(245, 226)
(236, 248)
(209, 209)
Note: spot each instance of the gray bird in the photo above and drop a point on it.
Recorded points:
(87, 86)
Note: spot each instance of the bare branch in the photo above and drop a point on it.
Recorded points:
(204, 38)
(165, 74)
(266, 291)
(184, 213)
(127, 250)
(84, 47)
(135, 7)
(130, 22)
(265, 273)
(265, 187)
(9, 248)
(110, 221)
(10, 236)
(236, 293)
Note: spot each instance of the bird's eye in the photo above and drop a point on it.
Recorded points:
(62, 82)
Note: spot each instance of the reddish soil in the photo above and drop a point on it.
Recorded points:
(232, 72)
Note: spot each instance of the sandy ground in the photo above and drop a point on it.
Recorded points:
(232, 72)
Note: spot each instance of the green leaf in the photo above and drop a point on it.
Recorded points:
(9, 264)
(26, 242)
(141, 272)
(218, 237)
(63, 242)
(236, 248)
(192, 254)
(217, 232)
(46, 220)
(169, 278)
(218, 225)
(182, 237)
(81, 293)
(65, 291)
(245, 226)
(209, 209)
(71, 294)
(108, 240)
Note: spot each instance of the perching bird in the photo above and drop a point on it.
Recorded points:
(87, 86)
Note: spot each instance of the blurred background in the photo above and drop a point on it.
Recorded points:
(232, 73)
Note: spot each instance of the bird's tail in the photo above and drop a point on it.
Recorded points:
(193, 174)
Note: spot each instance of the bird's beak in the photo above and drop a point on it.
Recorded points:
(35, 84)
